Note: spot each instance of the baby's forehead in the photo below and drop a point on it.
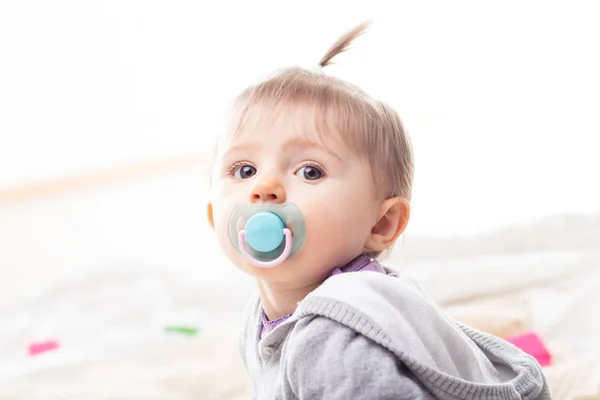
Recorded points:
(299, 125)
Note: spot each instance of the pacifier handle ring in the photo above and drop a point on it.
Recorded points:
(266, 264)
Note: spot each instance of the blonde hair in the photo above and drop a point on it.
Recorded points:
(333, 108)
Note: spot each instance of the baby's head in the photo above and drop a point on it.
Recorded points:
(323, 144)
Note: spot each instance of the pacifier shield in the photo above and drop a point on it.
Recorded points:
(263, 226)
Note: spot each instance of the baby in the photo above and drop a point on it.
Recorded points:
(311, 184)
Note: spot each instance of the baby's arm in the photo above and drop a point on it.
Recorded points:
(326, 360)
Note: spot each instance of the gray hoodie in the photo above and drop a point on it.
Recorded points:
(372, 335)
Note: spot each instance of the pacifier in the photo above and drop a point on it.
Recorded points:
(266, 234)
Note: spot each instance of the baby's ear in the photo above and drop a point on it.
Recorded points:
(393, 218)
(209, 215)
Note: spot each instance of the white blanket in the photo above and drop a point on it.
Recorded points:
(110, 323)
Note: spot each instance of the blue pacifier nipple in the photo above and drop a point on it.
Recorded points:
(266, 234)
(264, 231)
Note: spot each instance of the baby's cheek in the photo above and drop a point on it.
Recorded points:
(327, 229)
(228, 249)
(221, 221)
(222, 211)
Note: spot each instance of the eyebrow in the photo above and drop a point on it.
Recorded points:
(308, 144)
(295, 143)
(246, 146)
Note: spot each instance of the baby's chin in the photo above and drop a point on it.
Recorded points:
(299, 267)
(281, 272)
(293, 269)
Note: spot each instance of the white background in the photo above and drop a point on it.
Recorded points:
(501, 99)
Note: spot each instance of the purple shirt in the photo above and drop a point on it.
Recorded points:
(360, 263)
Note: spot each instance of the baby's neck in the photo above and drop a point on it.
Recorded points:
(279, 300)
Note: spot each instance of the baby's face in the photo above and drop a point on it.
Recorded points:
(330, 184)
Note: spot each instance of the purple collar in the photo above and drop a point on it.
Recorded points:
(360, 263)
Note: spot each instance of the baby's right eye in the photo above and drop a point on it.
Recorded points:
(244, 172)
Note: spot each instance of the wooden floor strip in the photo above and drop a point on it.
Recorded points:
(37, 190)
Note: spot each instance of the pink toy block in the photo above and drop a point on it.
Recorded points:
(532, 344)
(42, 347)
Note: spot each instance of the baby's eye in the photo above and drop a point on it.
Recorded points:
(244, 172)
(309, 173)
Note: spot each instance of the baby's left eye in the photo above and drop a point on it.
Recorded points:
(309, 173)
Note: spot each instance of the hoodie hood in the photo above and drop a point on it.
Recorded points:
(452, 360)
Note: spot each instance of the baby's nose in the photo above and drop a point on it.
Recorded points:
(267, 191)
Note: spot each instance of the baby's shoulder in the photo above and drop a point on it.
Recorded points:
(368, 294)
(389, 309)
